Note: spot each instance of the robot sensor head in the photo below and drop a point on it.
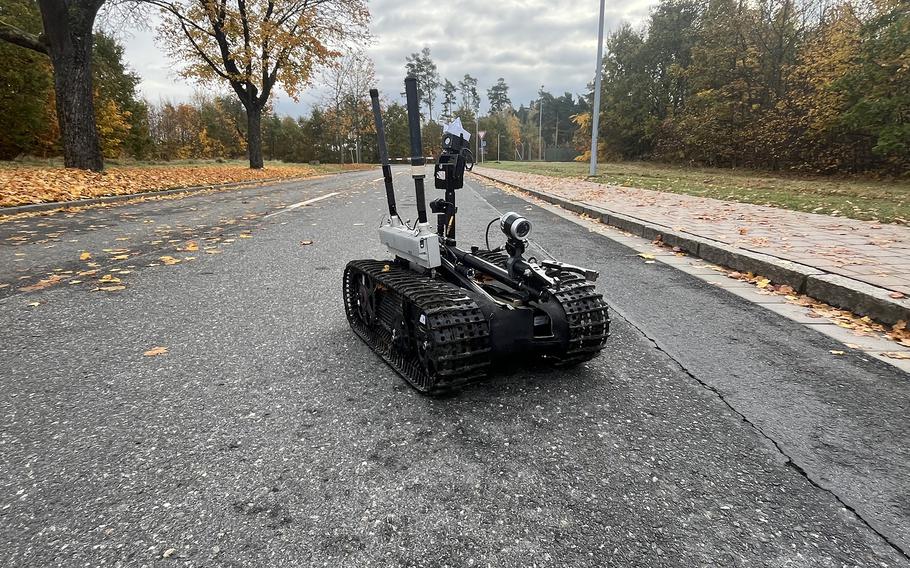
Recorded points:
(515, 226)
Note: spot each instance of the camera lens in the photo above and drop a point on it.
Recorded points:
(521, 228)
(514, 226)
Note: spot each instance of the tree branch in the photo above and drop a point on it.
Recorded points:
(14, 35)
(172, 9)
(247, 54)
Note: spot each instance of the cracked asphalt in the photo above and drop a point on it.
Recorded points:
(710, 432)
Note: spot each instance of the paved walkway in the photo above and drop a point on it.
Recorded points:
(875, 253)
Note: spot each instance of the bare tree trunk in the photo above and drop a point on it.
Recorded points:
(254, 136)
(68, 29)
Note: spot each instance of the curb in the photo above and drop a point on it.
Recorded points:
(858, 297)
(127, 196)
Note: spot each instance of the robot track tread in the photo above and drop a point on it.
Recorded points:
(429, 331)
(586, 312)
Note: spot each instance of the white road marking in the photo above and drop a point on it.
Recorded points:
(302, 203)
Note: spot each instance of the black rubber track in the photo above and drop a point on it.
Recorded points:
(586, 312)
(455, 337)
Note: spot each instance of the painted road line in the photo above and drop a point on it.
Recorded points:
(302, 203)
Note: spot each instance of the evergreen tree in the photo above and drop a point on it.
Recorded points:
(421, 66)
(449, 100)
(498, 96)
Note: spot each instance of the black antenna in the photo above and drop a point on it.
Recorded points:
(417, 159)
(383, 154)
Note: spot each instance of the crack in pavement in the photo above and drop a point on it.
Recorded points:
(790, 462)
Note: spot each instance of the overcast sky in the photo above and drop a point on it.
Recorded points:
(528, 43)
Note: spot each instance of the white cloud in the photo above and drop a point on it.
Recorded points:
(528, 43)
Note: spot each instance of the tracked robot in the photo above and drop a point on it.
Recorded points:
(443, 317)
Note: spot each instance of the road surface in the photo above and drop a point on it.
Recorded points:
(711, 432)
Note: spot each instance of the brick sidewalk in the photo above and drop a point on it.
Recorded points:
(874, 253)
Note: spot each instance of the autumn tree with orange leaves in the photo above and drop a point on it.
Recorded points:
(252, 45)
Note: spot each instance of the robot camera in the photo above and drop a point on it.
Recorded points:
(515, 226)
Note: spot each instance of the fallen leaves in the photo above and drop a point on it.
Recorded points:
(859, 325)
(155, 351)
(85, 255)
(26, 184)
(896, 354)
(169, 260)
(110, 283)
(190, 246)
(306, 243)
(43, 283)
(897, 295)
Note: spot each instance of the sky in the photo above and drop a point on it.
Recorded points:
(528, 43)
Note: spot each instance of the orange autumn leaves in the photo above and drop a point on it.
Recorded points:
(25, 185)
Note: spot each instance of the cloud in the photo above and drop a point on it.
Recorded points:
(529, 43)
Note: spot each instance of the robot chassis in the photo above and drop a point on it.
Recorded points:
(443, 317)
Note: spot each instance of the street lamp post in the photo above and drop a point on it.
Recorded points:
(540, 131)
(595, 112)
(477, 134)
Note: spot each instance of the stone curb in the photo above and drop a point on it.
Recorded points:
(114, 198)
(858, 297)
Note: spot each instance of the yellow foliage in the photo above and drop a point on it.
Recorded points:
(256, 43)
(113, 126)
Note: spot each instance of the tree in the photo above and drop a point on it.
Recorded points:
(470, 100)
(349, 80)
(877, 87)
(121, 117)
(421, 66)
(395, 119)
(498, 96)
(503, 134)
(449, 100)
(67, 39)
(27, 92)
(255, 44)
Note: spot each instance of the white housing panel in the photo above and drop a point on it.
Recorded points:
(419, 247)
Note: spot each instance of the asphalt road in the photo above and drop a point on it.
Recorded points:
(710, 433)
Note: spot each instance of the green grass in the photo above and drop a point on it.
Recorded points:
(857, 198)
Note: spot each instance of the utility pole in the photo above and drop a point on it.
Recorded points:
(540, 131)
(595, 122)
(556, 138)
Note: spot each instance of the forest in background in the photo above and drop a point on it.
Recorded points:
(815, 86)
(214, 125)
(811, 86)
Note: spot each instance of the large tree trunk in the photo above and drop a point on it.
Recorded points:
(254, 135)
(68, 29)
